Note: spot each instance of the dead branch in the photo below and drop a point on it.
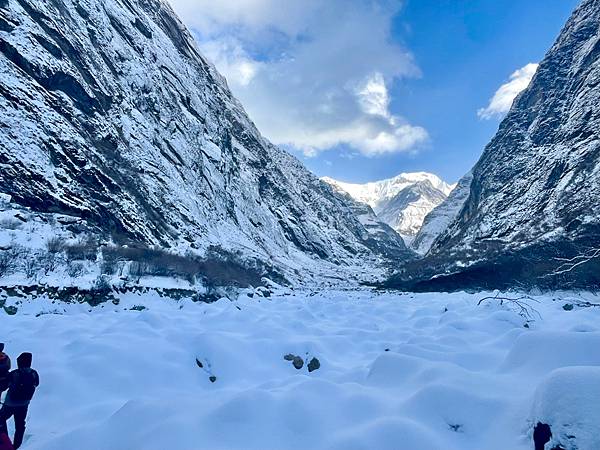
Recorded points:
(570, 264)
(519, 304)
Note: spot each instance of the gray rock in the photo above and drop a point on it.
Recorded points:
(10, 310)
(314, 364)
(298, 362)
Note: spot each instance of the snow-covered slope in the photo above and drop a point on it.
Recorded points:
(441, 216)
(533, 211)
(410, 372)
(110, 115)
(403, 201)
(381, 237)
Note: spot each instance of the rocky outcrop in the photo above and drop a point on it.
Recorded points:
(532, 213)
(109, 114)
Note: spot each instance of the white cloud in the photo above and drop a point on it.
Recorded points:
(232, 61)
(373, 96)
(312, 74)
(503, 99)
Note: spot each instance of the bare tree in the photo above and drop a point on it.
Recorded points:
(519, 304)
(10, 259)
(56, 244)
(570, 264)
(49, 262)
(75, 269)
(6, 263)
(10, 224)
(31, 265)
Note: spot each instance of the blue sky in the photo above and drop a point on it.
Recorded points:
(362, 90)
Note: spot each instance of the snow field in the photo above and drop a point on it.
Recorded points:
(410, 372)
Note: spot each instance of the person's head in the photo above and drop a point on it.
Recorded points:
(1, 347)
(24, 360)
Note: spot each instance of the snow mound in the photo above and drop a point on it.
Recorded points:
(545, 351)
(412, 371)
(567, 400)
(387, 434)
(392, 369)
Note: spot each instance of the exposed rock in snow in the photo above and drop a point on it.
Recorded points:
(532, 214)
(110, 115)
(402, 202)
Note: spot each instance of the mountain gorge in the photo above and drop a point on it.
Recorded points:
(181, 283)
(119, 139)
(401, 202)
(113, 125)
(528, 214)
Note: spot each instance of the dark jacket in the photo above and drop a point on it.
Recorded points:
(20, 375)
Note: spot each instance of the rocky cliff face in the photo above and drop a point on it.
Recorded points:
(438, 219)
(380, 236)
(110, 115)
(532, 213)
(401, 202)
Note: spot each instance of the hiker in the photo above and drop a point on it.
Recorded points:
(4, 369)
(22, 383)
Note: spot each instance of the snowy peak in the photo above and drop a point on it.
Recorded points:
(401, 202)
(378, 192)
(439, 218)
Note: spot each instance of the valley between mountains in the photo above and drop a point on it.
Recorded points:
(184, 283)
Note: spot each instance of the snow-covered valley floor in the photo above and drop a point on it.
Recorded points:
(410, 372)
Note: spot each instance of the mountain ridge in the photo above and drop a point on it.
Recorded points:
(530, 217)
(402, 201)
(111, 115)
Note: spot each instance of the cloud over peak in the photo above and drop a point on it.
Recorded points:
(312, 74)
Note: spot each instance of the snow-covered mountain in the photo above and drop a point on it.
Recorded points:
(402, 202)
(437, 220)
(113, 125)
(532, 215)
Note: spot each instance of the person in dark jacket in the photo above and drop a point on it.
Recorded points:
(4, 369)
(22, 384)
